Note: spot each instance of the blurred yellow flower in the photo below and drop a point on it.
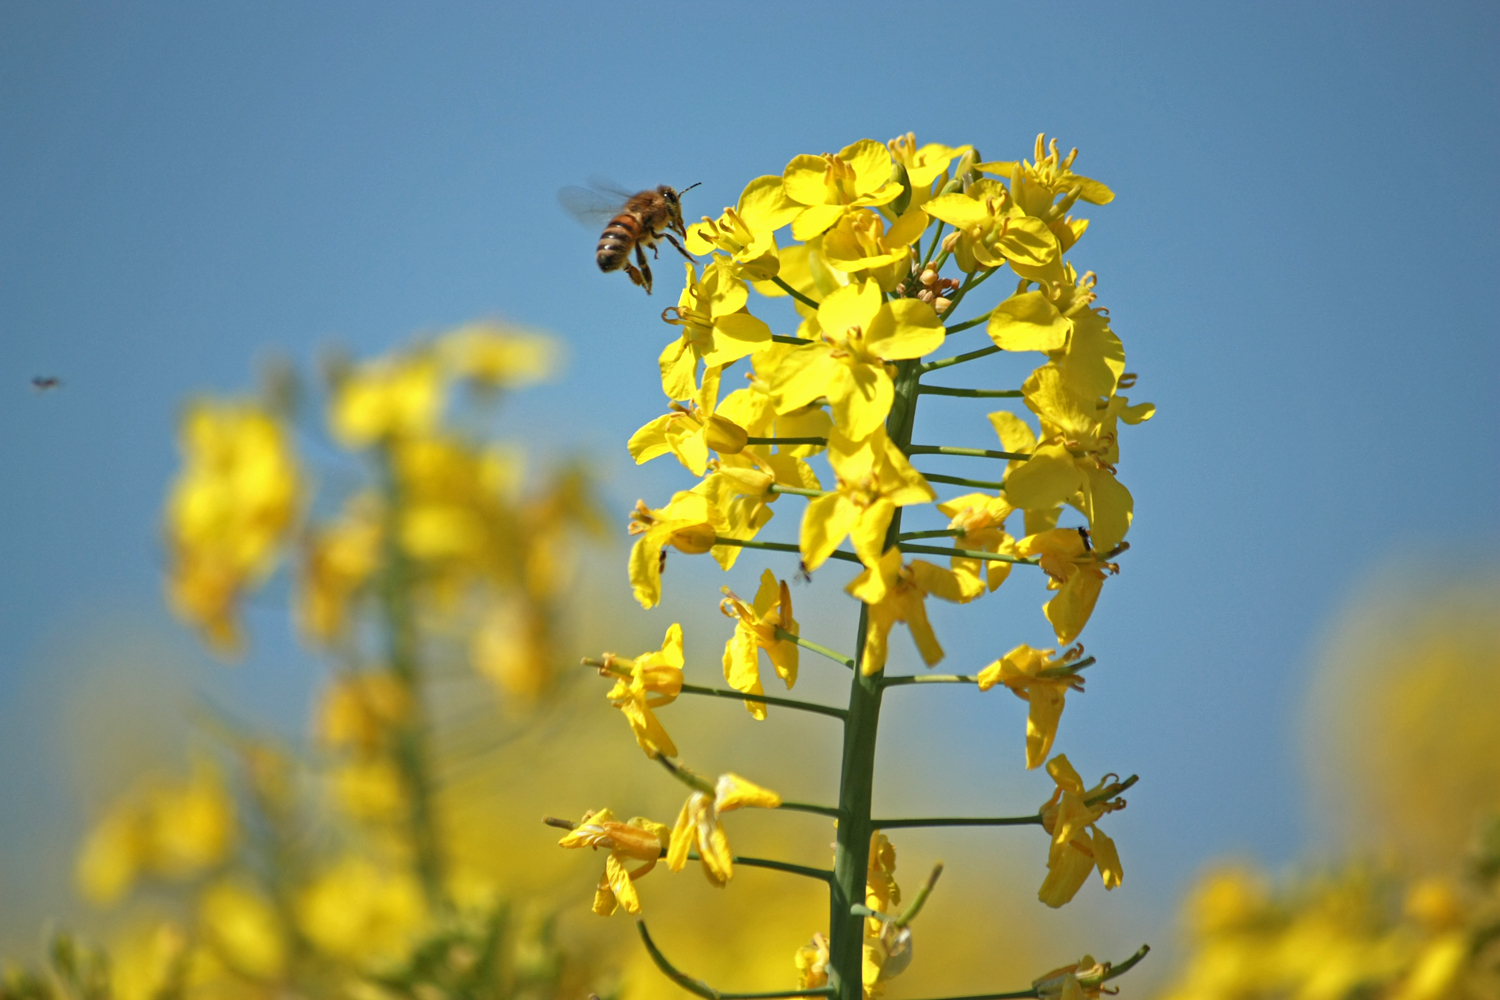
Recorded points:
(388, 399)
(644, 683)
(362, 711)
(698, 825)
(337, 561)
(170, 830)
(898, 593)
(357, 910)
(1078, 845)
(755, 629)
(497, 356)
(637, 839)
(228, 511)
(241, 926)
(1034, 676)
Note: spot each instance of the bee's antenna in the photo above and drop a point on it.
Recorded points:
(688, 188)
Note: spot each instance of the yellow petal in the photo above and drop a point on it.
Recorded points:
(682, 838)
(621, 885)
(1028, 322)
(1050, 477)
(734, 792)
(860, 397)
(650, 441)
(1041, 722)
(826, 522)
(917, 331)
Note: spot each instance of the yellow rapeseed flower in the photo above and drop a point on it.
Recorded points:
(755, 629)
(688, 524)
(716, 328)
(698, 825)
(360, 712)
(981, 518)
(636, 840)
(874, 478)
(860, 245)
(1040, 678)
(854, 333)
(1064, 983)
(1078, 845)
(925, 164)
(993, 231)
(827, 187)
(691, 431)
(812, 963)
(1075, 570)
(746, 232)
(644, 683)
(898, 593)
(227, 514)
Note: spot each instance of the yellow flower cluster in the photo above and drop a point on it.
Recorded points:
(1355, 931)
(887, 243)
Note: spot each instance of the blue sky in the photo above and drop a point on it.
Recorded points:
(1298, 260)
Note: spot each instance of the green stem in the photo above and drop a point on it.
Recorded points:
(822, 874)
(796, 491)
(746, 543)
(941, 449)
(970, 283)
(983, 484)
(937, 236)
(698, 987)
(966, 324)
(794, 293)
(896, 824)
(983, 352)
(777, 338)
(786, 636)
(934, 550)
(790, 440)
(907, 679)
(803, 706)
(943, 390)
(403, 661)
(1086, 981)
(808, 807)
(935, 533)
(857, 771)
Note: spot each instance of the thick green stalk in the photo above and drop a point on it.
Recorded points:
(857, 776)
(403, 660)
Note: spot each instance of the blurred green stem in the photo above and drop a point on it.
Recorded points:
(403, 660)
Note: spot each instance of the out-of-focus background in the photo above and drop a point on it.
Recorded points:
(1299, 261)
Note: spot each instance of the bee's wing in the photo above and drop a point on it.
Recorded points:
(592, 207)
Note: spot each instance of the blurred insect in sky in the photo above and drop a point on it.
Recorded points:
(41, 383)
(633, 222)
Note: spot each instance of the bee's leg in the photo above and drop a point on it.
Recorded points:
(645, 273)
(673, 240)
(635, 275)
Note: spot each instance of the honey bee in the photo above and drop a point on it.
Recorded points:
(635, 222)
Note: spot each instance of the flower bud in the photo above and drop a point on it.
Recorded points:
(749, 481)
(940, 306)
(724, 435)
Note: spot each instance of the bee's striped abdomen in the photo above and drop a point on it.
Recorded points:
(619, 236)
